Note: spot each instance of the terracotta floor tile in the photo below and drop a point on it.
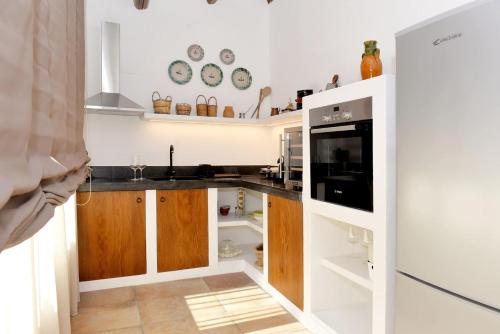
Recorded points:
(249, 303)
(228, 281)
(283, 323)
(209, 314)
(107, 297)
(171, 327)
(223, 329)
(225, 304)
(169, 289)
(134, 330)
(164, 309)
(105, 318)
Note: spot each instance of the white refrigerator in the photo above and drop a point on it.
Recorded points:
(448, 173)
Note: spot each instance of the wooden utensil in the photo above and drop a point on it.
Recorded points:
(264, 92)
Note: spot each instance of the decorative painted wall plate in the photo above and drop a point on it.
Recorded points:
(242, 79)
(211, 75)
(180, 72)
(227, 56)
(196, 52)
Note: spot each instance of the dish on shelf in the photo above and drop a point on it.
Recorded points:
(227, 56)
(212, 75)
(180, 72)
(227, 249)
(257, 215)
(224, 210)
(241, 78)
(196, 52)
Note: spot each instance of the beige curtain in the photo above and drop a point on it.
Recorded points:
(42, 153)
(39, 284)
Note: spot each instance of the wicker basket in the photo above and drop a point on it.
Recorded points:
(212, 108)
(259, 253)
(183, 109)
(201, 108)
(161, 106)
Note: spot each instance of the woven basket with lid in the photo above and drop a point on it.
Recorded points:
(183, 109)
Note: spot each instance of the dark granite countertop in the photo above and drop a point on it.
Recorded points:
(252, 182)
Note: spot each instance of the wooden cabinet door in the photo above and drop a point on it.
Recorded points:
(182, 229)
(285, 244)
(111, 234)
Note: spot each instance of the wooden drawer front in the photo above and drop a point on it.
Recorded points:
(111, 234)
(285, 242)
(182, 229)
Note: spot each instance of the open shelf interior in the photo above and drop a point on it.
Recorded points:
(341, 288)
(353, 267)
(248, 255)
(343, 249)
(244, 231)
(341, 304)
(232, 220)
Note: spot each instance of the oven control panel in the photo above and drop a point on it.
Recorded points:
(351, 111)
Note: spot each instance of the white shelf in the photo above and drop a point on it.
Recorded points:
(286, 118)
(116, 112)
(248, 255)
(351, 216)
(232, 221)
(353, 268)
(350, 319)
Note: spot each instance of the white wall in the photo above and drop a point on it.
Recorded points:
(312, 40)
(113, 140)
(292, 44)
(150, 41)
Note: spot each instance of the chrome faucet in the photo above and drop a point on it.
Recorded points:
(171, 169)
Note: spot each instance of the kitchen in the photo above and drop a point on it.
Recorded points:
(224, 197)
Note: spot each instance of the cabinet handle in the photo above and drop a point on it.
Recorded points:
(269, 204)
(163, 199)
(139, 200)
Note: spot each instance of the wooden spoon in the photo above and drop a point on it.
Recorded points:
(264, 92)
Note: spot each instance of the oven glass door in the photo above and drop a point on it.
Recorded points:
(342, 165)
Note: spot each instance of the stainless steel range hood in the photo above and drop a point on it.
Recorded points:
(110, 101)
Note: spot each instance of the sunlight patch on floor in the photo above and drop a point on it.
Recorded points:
(236, 306)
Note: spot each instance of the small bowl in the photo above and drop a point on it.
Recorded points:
(224, 210)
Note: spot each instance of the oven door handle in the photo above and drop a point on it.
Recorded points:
(335, 129)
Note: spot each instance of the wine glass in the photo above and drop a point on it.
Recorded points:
(141, 168)
(134, 166)
(367, 242)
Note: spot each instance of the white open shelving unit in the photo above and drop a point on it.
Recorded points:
(232, 220)
(352, 267)
(282, 119)
(245, 232)
(340, 296)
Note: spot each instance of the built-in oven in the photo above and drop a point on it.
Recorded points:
(341, 148)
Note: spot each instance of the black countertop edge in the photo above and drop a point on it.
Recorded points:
(249, 182)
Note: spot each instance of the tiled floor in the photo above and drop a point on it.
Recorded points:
(223, 304)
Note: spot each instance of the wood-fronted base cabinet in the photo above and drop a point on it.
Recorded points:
(111, 234)
(285, 243)
(182, 229)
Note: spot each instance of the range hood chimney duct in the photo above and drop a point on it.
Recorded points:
(110, 101)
